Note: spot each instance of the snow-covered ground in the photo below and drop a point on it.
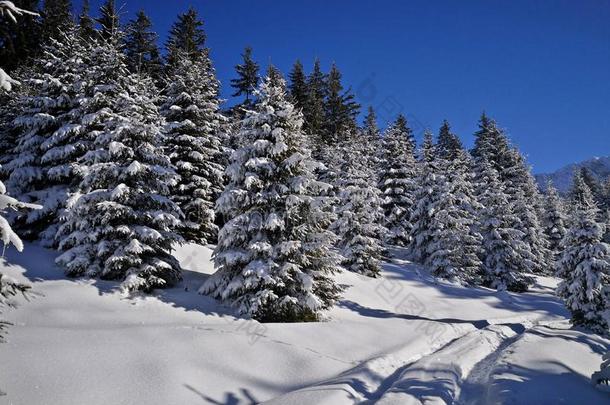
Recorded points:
(400, 339)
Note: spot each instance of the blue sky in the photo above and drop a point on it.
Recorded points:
(541, 68)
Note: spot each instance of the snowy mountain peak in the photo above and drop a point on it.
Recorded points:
(562, 178)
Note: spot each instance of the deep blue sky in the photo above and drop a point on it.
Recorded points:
(541, 68)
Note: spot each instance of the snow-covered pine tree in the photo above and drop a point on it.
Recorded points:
(340, 109)
(275, 77)
(86, 24)
(247, 79)
(505, 255)
(56, 18)
(594, 185)
(578, 191)
(455, 246)
(193, 143)
(44, 167)
(528, 207)
(491, 145)
(428, 180)
(274, 255)
(449, 145)
(606, 187)
(298, 85)
(605, 207)
(8, 133)
(359, 223)
(555, 219)
(8, 286)
(398, 181)
(109, 21)
(122, 226)
(585, 267)
(186, 37)
(372, 135)
(313, 111)
(140, 46)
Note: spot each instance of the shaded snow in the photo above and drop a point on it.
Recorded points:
(396, 340)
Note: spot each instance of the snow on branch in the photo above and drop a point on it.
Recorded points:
(9, 9)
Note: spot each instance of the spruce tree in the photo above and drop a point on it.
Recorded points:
(555, 220)
(122, 226)
(186, 37)
(455, 246)
(247, 79)
(298, 86)
(605, 207)
(428, 181)
(109, 21)
(372, 136)
(9, 110)
(606, 189)
(192, 141)
(274, 255)
(56, 17)
(358, 226)
(275, 76)
(530, 224)
(398, 181)
(578, 191)
(314, 106)
(8, 286)
(505, 254)
(86, 24)
(585, 267)
(140, 45)
(492, 146)
(44, 167)
(594, 185)
(449, 145)
(340, 109)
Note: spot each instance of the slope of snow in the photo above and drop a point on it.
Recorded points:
(562, 178)
(400, 339)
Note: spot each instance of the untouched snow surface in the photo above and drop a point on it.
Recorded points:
(401, 339)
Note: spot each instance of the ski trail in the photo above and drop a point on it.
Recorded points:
(475, 388)
(365, 382)
(434, 374)
(438, 378)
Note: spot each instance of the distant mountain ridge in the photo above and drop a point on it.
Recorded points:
(562, 178)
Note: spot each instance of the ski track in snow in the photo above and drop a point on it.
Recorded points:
(417, 380)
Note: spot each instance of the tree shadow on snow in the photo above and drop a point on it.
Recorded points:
(519, 302)
(383, 314)
(514, 383)
(37, 264)
(230, 398)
